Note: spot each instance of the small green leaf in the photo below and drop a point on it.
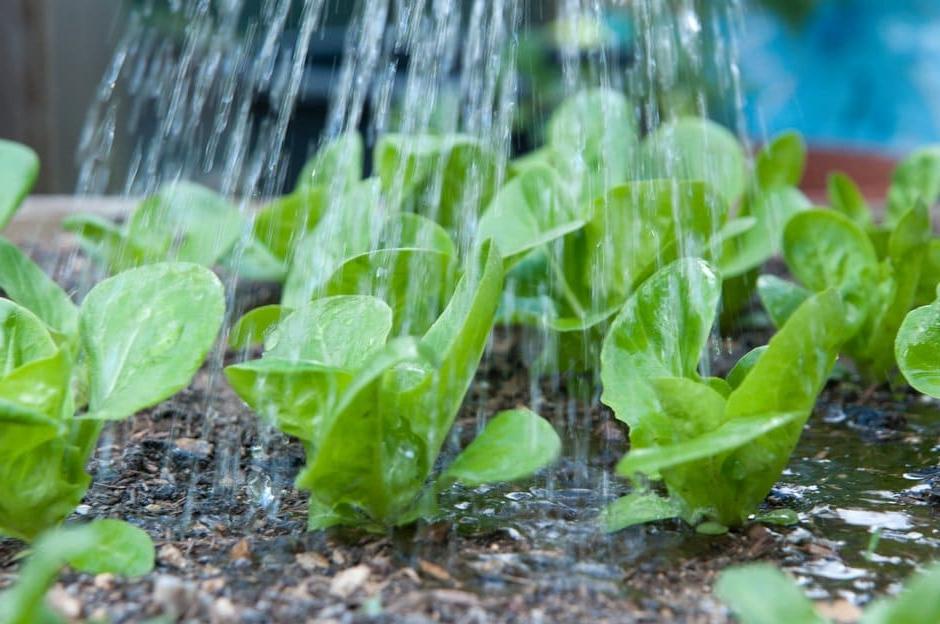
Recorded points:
(146, 332)
(917, 349)
(761, 594)
(98, 547)
(284, 221)
(186, 222)
(846, 197)
(106, 243)
(513, 445)
(28, 285)
(730, 435)
(693, 148)
(782, 161)
(918, 602)
(638, 507)
(342, 332)
(252, 328)
(337, 162)
(118, 548)
(916, 178)
(825, 249)
(744, 365)
(529, 211)
(780, 298)
(771, 210)
(779, 517)
(23, 338)
(592, 138)
(19, 168)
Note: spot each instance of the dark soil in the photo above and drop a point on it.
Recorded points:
(214, 489)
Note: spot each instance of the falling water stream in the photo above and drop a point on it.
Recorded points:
(185, 107)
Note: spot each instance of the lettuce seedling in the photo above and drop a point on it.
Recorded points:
(719, 445)
(762, 594)
(19, 168)
(138, 338)
(878, 280)
(99, 547)
(374, 414)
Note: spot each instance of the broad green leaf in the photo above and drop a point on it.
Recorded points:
(660, 332)
(917, 349)
(530, 210)
(41, 386)
(593, 141)
(638, 507)
(917, 177)
(338, 162)
(513, 445)
(731, 435)
(761, 594)
(342, 332)
(284, 221)
(118, 548)
(449, 178)
(254, 262)
(414, 282)
(744, 365)
(781, 162)
(771, 210)
(780, 298)
(186, 222)
(641, 226)
(292, 395)
(692, 148)
(146, 332)
(349, 228)
(255, 325)
(918, 602)
(19, 168)
(107, 243)
(98, 547)
(845, 196)
(825, 249)
(688, 408)
(28, 285)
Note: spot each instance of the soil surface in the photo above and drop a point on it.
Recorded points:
(214, 488)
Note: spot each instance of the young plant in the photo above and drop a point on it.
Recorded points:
(374, 414)
(99, 547)
(878, 280)
(19, 167)
(719, 445)
(762, 594)
(138, 338)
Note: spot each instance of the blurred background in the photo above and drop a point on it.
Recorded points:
(859, 78)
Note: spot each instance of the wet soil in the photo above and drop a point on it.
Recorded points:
(213, 487)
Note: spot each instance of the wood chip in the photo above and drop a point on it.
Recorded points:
(311, 561)
(241, 550)
(841, 611)
(345, 583)
(170, 555)
(433, 570)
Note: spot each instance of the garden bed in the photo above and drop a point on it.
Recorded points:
(214, 489)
